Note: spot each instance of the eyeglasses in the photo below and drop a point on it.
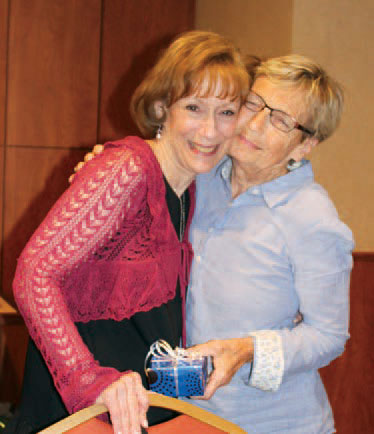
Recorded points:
(280, 120)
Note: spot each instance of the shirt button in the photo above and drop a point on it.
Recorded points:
(198, 258)
(210, 230)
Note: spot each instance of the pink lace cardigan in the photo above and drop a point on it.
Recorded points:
(107, 249)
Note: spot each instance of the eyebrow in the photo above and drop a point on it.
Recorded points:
(273, 108)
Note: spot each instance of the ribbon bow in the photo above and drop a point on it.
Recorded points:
(161, 349)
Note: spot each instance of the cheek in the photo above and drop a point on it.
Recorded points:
(279, 149)
(181, 126)
(229, 128)
(242, 121)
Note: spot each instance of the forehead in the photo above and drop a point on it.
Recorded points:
(214, 83)
(284, 97)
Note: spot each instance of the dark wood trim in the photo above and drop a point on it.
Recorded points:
(363, 256)
(349, 378)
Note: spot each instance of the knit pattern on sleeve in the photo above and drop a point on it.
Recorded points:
(75, 266)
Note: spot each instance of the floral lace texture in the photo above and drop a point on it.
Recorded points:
(107, 249)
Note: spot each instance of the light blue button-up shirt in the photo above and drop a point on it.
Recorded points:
(276, 249)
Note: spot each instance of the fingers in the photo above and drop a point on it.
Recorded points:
(215, 381)
(127, 402)
(207, 349)
(298, 318)
(89, 156)
(98, 149)
(229, 355)
(143, 403)
(137, 404)
(79, 166)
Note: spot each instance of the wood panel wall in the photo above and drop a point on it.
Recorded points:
(350, 378)
(67, 70)
(66, 73)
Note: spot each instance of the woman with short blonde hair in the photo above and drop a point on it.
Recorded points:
(323, 95)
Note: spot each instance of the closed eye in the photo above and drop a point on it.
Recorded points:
(254, 106)
(281, 119)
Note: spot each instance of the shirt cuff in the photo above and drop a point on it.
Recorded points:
(268, 360)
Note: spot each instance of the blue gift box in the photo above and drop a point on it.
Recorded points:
(177, 374)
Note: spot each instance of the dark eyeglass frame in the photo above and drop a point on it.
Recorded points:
(296, 125)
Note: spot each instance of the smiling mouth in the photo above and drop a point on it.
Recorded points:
(249, 143)
(202, 149)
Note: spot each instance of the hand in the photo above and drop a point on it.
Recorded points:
(127, 402)
(298, 318)
(96, 150)
(228, 357)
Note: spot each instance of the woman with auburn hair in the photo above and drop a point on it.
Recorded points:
(268, 244)
(104, 276)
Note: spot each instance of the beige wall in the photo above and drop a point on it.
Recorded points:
(339, 34)
(248, 23)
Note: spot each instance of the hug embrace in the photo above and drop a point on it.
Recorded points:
(209, 231)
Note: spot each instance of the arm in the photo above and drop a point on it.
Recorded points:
(83, 217)
(322, 266)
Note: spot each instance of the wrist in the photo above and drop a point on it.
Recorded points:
(246, 349)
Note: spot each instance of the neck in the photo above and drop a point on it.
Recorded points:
(178, 178)
(244, 177)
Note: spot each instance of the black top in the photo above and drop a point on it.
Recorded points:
(119, 344)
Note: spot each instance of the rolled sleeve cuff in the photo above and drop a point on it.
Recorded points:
(268, 361)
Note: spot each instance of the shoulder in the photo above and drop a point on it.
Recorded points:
(214, 176)
(126, 160)
(312, 224)
(300, 201)
(312, 202)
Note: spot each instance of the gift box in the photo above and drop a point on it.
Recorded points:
(176, 372)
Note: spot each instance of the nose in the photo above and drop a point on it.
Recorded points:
(209, 126)
(258, 120)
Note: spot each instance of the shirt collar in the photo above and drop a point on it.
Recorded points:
(223, 170)
(277, 190)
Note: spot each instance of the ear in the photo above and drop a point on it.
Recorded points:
(160, 109)
(304, 148)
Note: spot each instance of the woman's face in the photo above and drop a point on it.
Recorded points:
(259, 145)
(198, 130)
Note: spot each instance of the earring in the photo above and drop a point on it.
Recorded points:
(292, 165)
(159, 132)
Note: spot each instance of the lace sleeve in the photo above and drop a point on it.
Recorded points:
(106, 190)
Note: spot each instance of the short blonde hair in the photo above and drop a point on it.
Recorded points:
(324, 95)
(191, 60)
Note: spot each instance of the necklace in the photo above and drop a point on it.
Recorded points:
(182, 221)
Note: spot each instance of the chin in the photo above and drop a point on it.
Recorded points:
(205, 167)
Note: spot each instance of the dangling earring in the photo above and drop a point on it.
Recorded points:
(292, 165)
(159, 132)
